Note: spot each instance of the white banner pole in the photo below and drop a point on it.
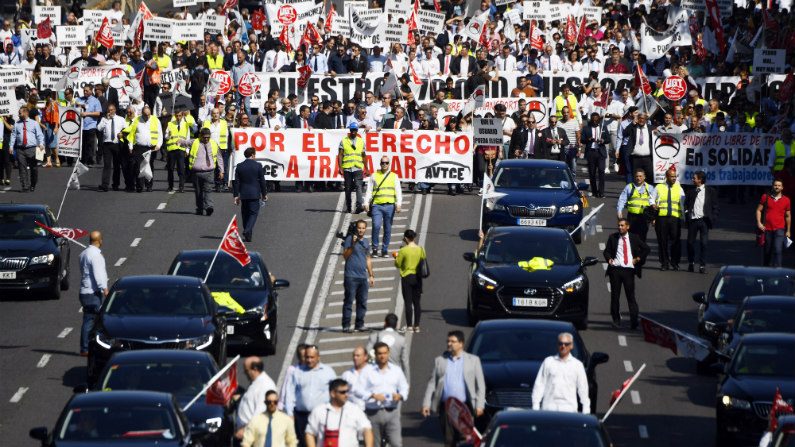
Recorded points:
(624, 391)
(218, 249)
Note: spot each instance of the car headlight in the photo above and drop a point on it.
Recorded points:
(486, 282)
(258, 311)
(213, 424)
(575, 285)
(733, 402)
(43, 259)
(499, 207)
(105, 341)
(710, 326)
(570, 209)
(199, 343)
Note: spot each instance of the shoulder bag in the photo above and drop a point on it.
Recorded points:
(422, 268)
(372, 198)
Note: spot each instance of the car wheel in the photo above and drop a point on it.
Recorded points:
(581, 325)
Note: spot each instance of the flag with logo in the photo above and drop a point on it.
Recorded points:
(490, 194)
(310, 37)
(713, 16)
(70, 233)
(327, 25)
(780, 407)
(680, 343)
(581, 31)
(437, 6)
(104, 35)
(284, 38)
(571, 29)
(641, 81)
(229, 4)
(412, 25)
(416, 6)
(535, 36)
(222, 390)
(475, 100)
(233, 245)
(44, 29)
(258, 19)
(136, 32)
(80, 169)
(604, 98)
(303, 75)
(616, 393)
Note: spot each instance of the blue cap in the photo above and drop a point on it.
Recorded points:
(353, 126)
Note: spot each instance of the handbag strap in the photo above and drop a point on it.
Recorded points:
(378, 188)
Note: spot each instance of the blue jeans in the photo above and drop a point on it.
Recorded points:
(382, 214)
(774, 246)
(355, 288)
(90, 303)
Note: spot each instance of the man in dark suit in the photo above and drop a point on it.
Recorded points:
(554, 141)
(640, 145)
(249, 188)
(356, 62)
(701, 213)
(594, 136)
(400, 121)
(464, 64)
(325, 119)
(625, 254)
(526, 140)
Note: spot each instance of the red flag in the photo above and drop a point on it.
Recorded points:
(604, 99)
(304, 73)
(614, 395)
(787, 89)
(221, 391)
(329, 18)
(310, 37)
(770, 23)
(581, 32)
(136, 32)
(44, 29)
(412, 23)
(229, 4)
(284, 37)
(104, 35)
(571, 29)
(780, 406)
(641, 81)
(258, 19)
(233, 246)
(658, 334)
(71, 233)
(484, 35)
(714, 18)
(437, 6)
(416, 6)
(535, 37)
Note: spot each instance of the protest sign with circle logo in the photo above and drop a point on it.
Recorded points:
(249, 84)
(225, 81)
(674, 88)
(287, 15)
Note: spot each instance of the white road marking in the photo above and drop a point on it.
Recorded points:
(628, 366)
(43, 361)
(349, 337)
(378, 289)
(65, 332)
(375, 269)
(599, 229)
(80, 310)
(369, 300)
(608, 286)
(149, 223)
(604, 266)
(162, 206)
(635, 397)
(622, 340)
(643, 432)
(120, 262)
(18, 395)
(327, 352)
(601, 246)
(135, 242)
(378, 279)
(369, 312)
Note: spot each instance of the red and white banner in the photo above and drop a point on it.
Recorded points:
(296, 154)
(69, 233)
(617, 395)
(461, 419)
(682, 344)
(222, 390)
(104, 35)
(233, 245)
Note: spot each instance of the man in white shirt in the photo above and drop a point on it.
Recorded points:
(506, 61)
(549, 61)
(561, 380)
(109, 128)
(275, 59)
(271, 119)
(355, 376)
(338, 418)
(318, 61)
(429, 65)
(384, 387)
(376, 61)
(253, 401)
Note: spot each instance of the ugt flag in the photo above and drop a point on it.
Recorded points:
(233, 245)
(221, 391)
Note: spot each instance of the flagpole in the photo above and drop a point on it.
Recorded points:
(218, 249)
(482, 204)
(623, 391)
(63, 236)
(210, 382)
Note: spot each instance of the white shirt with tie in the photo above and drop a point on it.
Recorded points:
(270, 122)
(110, 128)
(623, 244)
(429, 67)
(444, 68)
(319, 63)
(698, 205)
(550, 64)
(275, 60)
(505, 64)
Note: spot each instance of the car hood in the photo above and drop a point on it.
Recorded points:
(162, 328)
(247, 298)
(719, 312)
(513, 374)
(513, 275)
(24, 247)
(755, 388)
(200, 411)
(539, 197)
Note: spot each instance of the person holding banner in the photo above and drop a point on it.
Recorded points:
(26, 138)
(383, 198)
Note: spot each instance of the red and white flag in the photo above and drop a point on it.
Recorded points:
(535, 36)
(310, 37)
(258, 19)
(44, 29)
(780, 407)
(412, 24)
(284, 38)
(229, 4)
(222, 390)
(713, 15)
(136, 32)
(484, 35)
(304, 73)
(70, 233)
(329, 18)
(416, 6)
(616, 393)
(437, 6)
(104, 35)
(233, 245)
(571, 29)
(581, 31)
(683, 345)
(604, 98)
(641, 81)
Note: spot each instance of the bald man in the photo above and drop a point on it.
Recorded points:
(93, 286)
(253, 401)
(354, 375)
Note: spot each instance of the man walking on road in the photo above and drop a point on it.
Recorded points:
(456, 374)
(636, 197)
(398, 354)
(358, 276)
(145, 134)
(272, 428)
(307, 389)
(625, 253)
(93, 286)
(250, 191)
(202, 160)
(26, 136)
(773, 216)
(355, 376)
(384, 388)
(670, 206)
(253, 401)
(701, 210)
(385, 197)
(352, 166)
(338, 422)
(561, 380)
(594, 139)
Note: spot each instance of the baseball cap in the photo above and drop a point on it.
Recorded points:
(353, 126)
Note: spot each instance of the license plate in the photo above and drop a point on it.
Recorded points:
(8, 275)
(230, 330)
(533, 222)
(530, 302)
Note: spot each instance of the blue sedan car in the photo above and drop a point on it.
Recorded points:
(539, 193)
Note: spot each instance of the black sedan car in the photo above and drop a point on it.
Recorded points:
(120, 418)
(181, 373)
(761, 364)
(252, 287)
(32, 259)
(755, 315)
(528, 272)
(156, 312)
(511, 352)
(512, 428)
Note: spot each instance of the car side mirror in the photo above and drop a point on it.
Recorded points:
(589, 261)
(39, 433)
(469, 256)
(80, 389)
(582, 186)
(700, 297)
(280, 284)
(597, 358)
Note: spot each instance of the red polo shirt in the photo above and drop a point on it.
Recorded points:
(775, 211)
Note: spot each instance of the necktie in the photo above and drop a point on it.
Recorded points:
(571, 109)
(314, 68)
(447, 64)
(504, 64)
(532, 142)
(640, 138)
(275, 58)
(268, 433)
(626, 254)
(669, 200)
(112, 129)
(24, 134)
(207, 155)
(304, 121)
(549, 63)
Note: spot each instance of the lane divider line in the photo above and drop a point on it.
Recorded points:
(18, 395)
(45, 358)
(65, 332)
(135, 242)
(601, 246)
(120, 262)
(149, 223)
(161, 206)
(628, 366)
(622, 340)
(635, 395)
(599, 229)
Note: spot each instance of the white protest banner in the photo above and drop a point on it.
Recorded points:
(174, 76)
(454, 106)
(654, 44)
(51, 75)
(769, 61)
(69, 128)
(214, 24)
(306, 11)
(593, 13)
(92, 18)
(340, 27)
(367, 34)
(11, 76)
(725, 6)
(40, 13)
(430, 22)
(474, 28)
(536, 10)
(397, 8)
(158, 29)
(361, 5)
(488, 132)
(514, 16)
(28, 38)
(726, 158)
(188, 30)
(297, 154)
(503, 2)
(556, 12)
(9, 106)
(184, 3)
(395, 33)
(70, 36)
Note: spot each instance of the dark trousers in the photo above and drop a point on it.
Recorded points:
(202, 185)
(137, 161)
(111, 164)
(249, 210)
(355, 289)
(638, 225)
(26, 158)
(126, 164)
(6, 165)
(89, 153)
(218, 180)
(176, 160)
(774, 247)
(353, 181)
(620, 276)
(643, 162)
(300, 421)
(669, 239)
(697, 227)
(411, 287)
(596, 171)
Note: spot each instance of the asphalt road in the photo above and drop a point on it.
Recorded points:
(39, 365)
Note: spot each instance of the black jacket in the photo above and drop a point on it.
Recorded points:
(390, 124)
(519, 141)
(638, 248)
(356, 64)
(710, 204)
(455, 66)
(249, 183)
(586, 138)
(633, 134)
(546, 150)
(323, 121)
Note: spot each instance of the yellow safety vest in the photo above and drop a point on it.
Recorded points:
(222, 131)
(781, 154)
(194, 149)
(750, 119)
(131, 129)
(226, 300)
(638, 201)
(352, 155)
(561, 102)
(215, 63)
(662, 199)
(386, 193)
(537, 263)
(176, 133)
(162, 61)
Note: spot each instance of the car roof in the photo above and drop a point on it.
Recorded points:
(765, 338)
(756, 271)
(22, 207)
(117, 398)
(516, 416)
(158, 280)
(159, 355)
(515, 323)
(532, 163)
(205, 254)
(541, 232)
(766, 301)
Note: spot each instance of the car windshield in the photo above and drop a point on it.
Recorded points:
(182, 379)
(510, 248)
(532, 178)
(21, 225)
(545, 435)
(105, 423)
(510, 344)
(226, 273)
(774, 360)
(734, 288)
(766, 320)
(160, 300)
